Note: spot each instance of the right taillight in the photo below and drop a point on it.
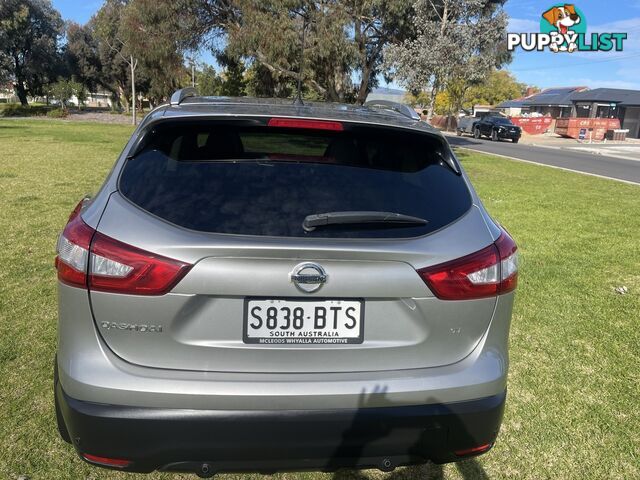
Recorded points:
(89, 259)
(486, 273)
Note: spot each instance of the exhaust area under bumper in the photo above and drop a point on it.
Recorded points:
(206, 442)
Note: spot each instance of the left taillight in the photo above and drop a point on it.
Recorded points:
(73, 251)
(489, 272)
(92, 260)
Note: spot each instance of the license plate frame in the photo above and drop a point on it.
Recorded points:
(307, 340)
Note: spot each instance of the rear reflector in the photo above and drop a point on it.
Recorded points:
(486, 273)
(474, 451)
(89, 259)
(109, 462)
(304, 123)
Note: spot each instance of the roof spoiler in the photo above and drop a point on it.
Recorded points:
(404, 110)
(179, 95)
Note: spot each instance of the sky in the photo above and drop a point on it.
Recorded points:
(542, 69)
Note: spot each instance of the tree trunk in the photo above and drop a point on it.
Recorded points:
(432, 100)
(366, 71)
(133, 90)
(364, 85)
(332, 94)
(122, 97)
(340, 84)
(21, 92)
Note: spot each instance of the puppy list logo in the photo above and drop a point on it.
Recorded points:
(563, 28)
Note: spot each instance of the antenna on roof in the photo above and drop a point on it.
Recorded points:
(298, 99)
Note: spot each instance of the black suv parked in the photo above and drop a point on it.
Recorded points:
(497, 128)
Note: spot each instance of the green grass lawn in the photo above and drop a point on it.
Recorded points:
(574, 387)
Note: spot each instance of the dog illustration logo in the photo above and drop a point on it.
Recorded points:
(563, 28)
(563, 18)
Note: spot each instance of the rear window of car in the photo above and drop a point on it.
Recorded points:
(251, 179)
(501, 121)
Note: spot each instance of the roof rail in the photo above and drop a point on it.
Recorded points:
(179, 95)
(404, 110)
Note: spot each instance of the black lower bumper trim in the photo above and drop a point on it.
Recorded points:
(211, 441)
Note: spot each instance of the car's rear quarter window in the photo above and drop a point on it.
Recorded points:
(258, 180)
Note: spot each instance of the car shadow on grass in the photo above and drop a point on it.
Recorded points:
(469, 469)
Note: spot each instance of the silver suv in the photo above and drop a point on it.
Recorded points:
(261, 286)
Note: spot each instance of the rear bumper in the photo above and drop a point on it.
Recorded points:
(276, 440)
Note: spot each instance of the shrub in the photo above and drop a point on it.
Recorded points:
(63, 90)
(57, 113)
(17, 110)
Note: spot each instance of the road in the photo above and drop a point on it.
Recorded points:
(600, 165)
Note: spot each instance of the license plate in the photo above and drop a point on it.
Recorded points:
(294, 321)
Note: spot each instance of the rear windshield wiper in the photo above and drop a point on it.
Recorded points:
(311, 222)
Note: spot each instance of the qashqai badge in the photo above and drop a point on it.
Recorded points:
(308, 277)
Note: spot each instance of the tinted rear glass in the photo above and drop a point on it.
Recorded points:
(258, 180)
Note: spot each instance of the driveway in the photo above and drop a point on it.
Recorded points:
(599, 164)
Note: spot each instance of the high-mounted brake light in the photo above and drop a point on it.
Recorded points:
(487, 273)
(305, 123)
(109, 462)
(90, 259)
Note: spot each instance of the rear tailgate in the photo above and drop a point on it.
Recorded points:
(239, 309)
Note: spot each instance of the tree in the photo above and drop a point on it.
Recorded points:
(209, 82)
(150, 40)
(271, 33)
(81, 56)
(29, 34)
(119, 47)
(116, 53)
(443, 105)
(80, 93)
(376, 25)
(500, 85)
(233, 82)
(457, 43)
(63, 90)
(106, 26)
(417, 99)
(344, 40)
